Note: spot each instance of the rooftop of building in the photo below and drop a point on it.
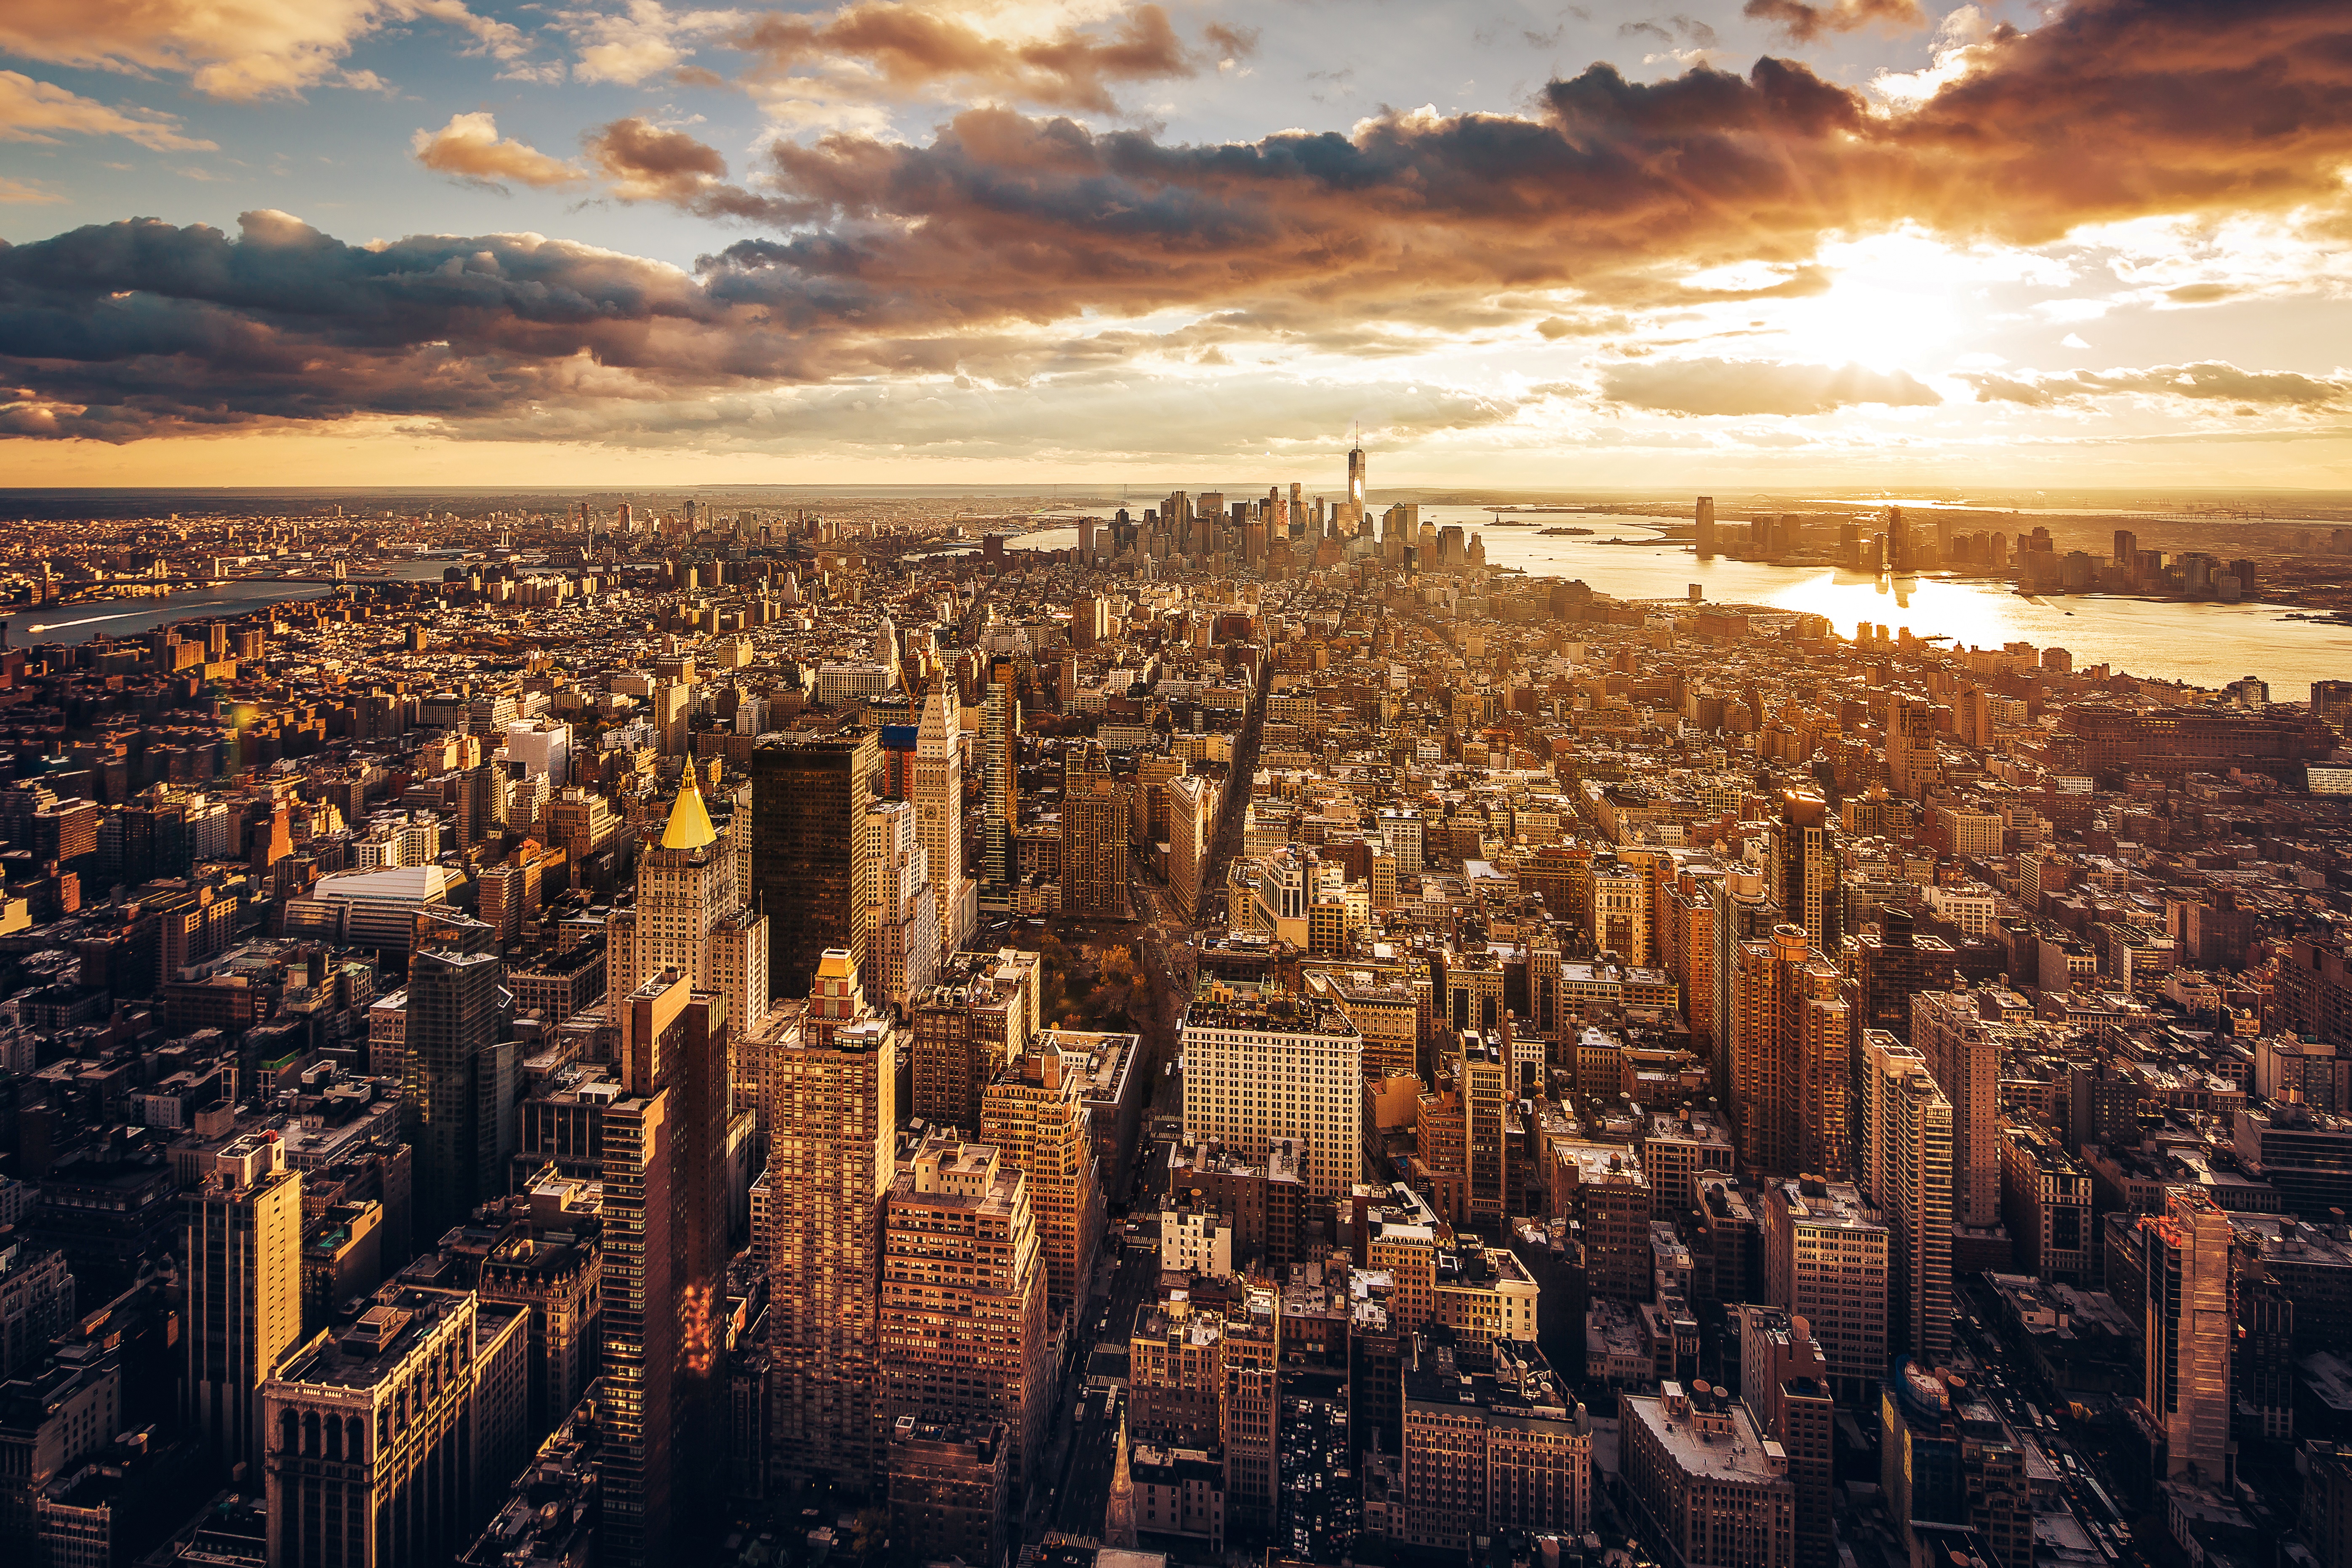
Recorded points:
(1265, 1011)
(1825, 1205)
(1177, 1321)
(1472, 1266)
(365, 1350)
(1688, 1126)
(1601, 1165)
(1502, 1377)
(401, 884)
(1103, 1059)
(2047, 1154)
(2284, 1239)
(2295, 1117)
(1164, 1465)
(1709, 1433)
(970, 1437)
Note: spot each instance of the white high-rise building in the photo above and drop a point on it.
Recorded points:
(1401, 837)
(543, 747)
(902, 943)
(1906, 1170)
(1263, 1067)
(939, 806)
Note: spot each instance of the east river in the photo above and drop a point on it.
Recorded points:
(79, 622)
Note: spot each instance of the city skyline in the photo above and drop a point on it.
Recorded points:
(1840, 245)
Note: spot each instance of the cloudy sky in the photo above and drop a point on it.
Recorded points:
(1779, 244)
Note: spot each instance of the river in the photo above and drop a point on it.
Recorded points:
(2203, 644)
(79, 622)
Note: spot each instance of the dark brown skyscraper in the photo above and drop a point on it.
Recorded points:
(664, 1260)
(1094, 851)
(461, 1110)
(1801, 876)
(808, 862)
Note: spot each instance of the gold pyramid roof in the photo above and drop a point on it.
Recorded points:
(689, 821)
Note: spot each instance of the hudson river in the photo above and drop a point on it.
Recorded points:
(2202, 643)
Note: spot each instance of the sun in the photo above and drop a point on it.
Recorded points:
(1868, 321)
(1902, 301)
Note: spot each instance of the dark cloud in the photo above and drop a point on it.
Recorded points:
(1231, 41)
(646, 162)
(912, 47)
(123, 330)
(1752, 386)
(1804, 22)
(1670, 30)
(2211, 380)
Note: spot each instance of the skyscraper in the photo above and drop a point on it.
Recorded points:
(665, 1245)
(962, 1328)
(1094, 851)
(1703, 520)
(1963, 1052)
(808, 861)
(244, 1291)
(938, 801)
(1825, 1261)
(1036, 1114)
(979, 1017)
(389, 1437)
(1260, 1068)
(1742, 914)
(1000, 732)
(1911, 763)
(686, 887)
(830, 1122)
(1489, 1090)
(1784, 1380)
(1906, 1170)
(1697, 1470)
(1356, 479)
(2189, 1331)
(460, 1116)
(1249, 1410)
(1191, 827)
(1790, 1068)
(1803, 873)
(903, 926)
(1893, 964)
